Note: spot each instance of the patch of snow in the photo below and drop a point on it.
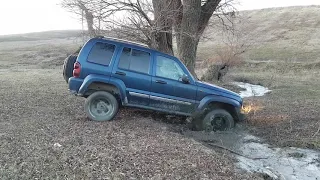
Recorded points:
(57, 145)
(251, 90)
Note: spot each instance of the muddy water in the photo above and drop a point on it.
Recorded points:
(254, 155)
(278, 163)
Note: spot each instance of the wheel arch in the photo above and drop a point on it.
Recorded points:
(101, 86)
(214, 102)
(98, 83)
(228, 107)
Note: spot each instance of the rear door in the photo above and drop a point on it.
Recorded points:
(167, 89)
(133, 68)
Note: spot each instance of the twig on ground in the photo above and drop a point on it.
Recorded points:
(234, 152)
(316, 132)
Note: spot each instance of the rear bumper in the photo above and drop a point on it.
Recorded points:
(74, 85)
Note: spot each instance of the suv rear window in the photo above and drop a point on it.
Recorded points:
(135, 60)
(101, 53)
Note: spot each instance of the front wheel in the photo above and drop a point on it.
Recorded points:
(101, 106)
(218, 120)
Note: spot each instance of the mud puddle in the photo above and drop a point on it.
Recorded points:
(253, 155)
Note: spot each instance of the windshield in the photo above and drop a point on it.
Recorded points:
(194, 77)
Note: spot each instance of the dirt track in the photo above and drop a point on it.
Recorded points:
(37, 112)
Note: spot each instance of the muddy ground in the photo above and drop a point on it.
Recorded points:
(44, 134)
(289, 114)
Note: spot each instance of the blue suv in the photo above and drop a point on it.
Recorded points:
(111, 73)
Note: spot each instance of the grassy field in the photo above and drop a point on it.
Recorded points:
(278, 34)
(283, 55)
(44, 132)
(37, 111)
(36, 54)
(289, 115)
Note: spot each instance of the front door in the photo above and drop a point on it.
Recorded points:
(168, 92)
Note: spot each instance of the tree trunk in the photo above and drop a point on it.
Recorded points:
(161, 35)
(177, 19)
(89, 18)
(189, 37)
(162, 42)
(190, 22)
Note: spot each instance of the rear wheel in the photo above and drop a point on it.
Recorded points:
(68, 67)
(101, 106)
(218, 120)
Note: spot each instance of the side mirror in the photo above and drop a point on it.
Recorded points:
(185, 79)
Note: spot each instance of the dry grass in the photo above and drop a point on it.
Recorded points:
(283, 56)
(38, 112)
(289, 115)
(277, 34)
(35, 54)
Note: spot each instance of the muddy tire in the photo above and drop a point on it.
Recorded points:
(68, 67)
(101, 106)
(215, 120)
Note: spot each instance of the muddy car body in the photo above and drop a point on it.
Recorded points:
(112, 73)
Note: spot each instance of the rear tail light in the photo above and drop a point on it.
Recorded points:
(76, 69)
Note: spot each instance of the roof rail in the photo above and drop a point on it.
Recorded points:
(123, 41)
(99, 36)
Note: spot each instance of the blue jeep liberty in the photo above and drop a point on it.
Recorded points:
(111, 73)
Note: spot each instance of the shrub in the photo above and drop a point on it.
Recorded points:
(219, 65)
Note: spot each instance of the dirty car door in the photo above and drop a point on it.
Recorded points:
(168, 92)
(134, 70)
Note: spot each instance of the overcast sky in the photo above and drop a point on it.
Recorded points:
(22, 16)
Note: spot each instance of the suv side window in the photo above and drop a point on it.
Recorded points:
(101, 53)
(168, 68)
(135, 60)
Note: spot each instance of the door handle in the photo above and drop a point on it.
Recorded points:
(120, 73)
(161, 82)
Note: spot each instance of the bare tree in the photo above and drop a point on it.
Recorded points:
(163, 22)
(81, 7)
(153, 22)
